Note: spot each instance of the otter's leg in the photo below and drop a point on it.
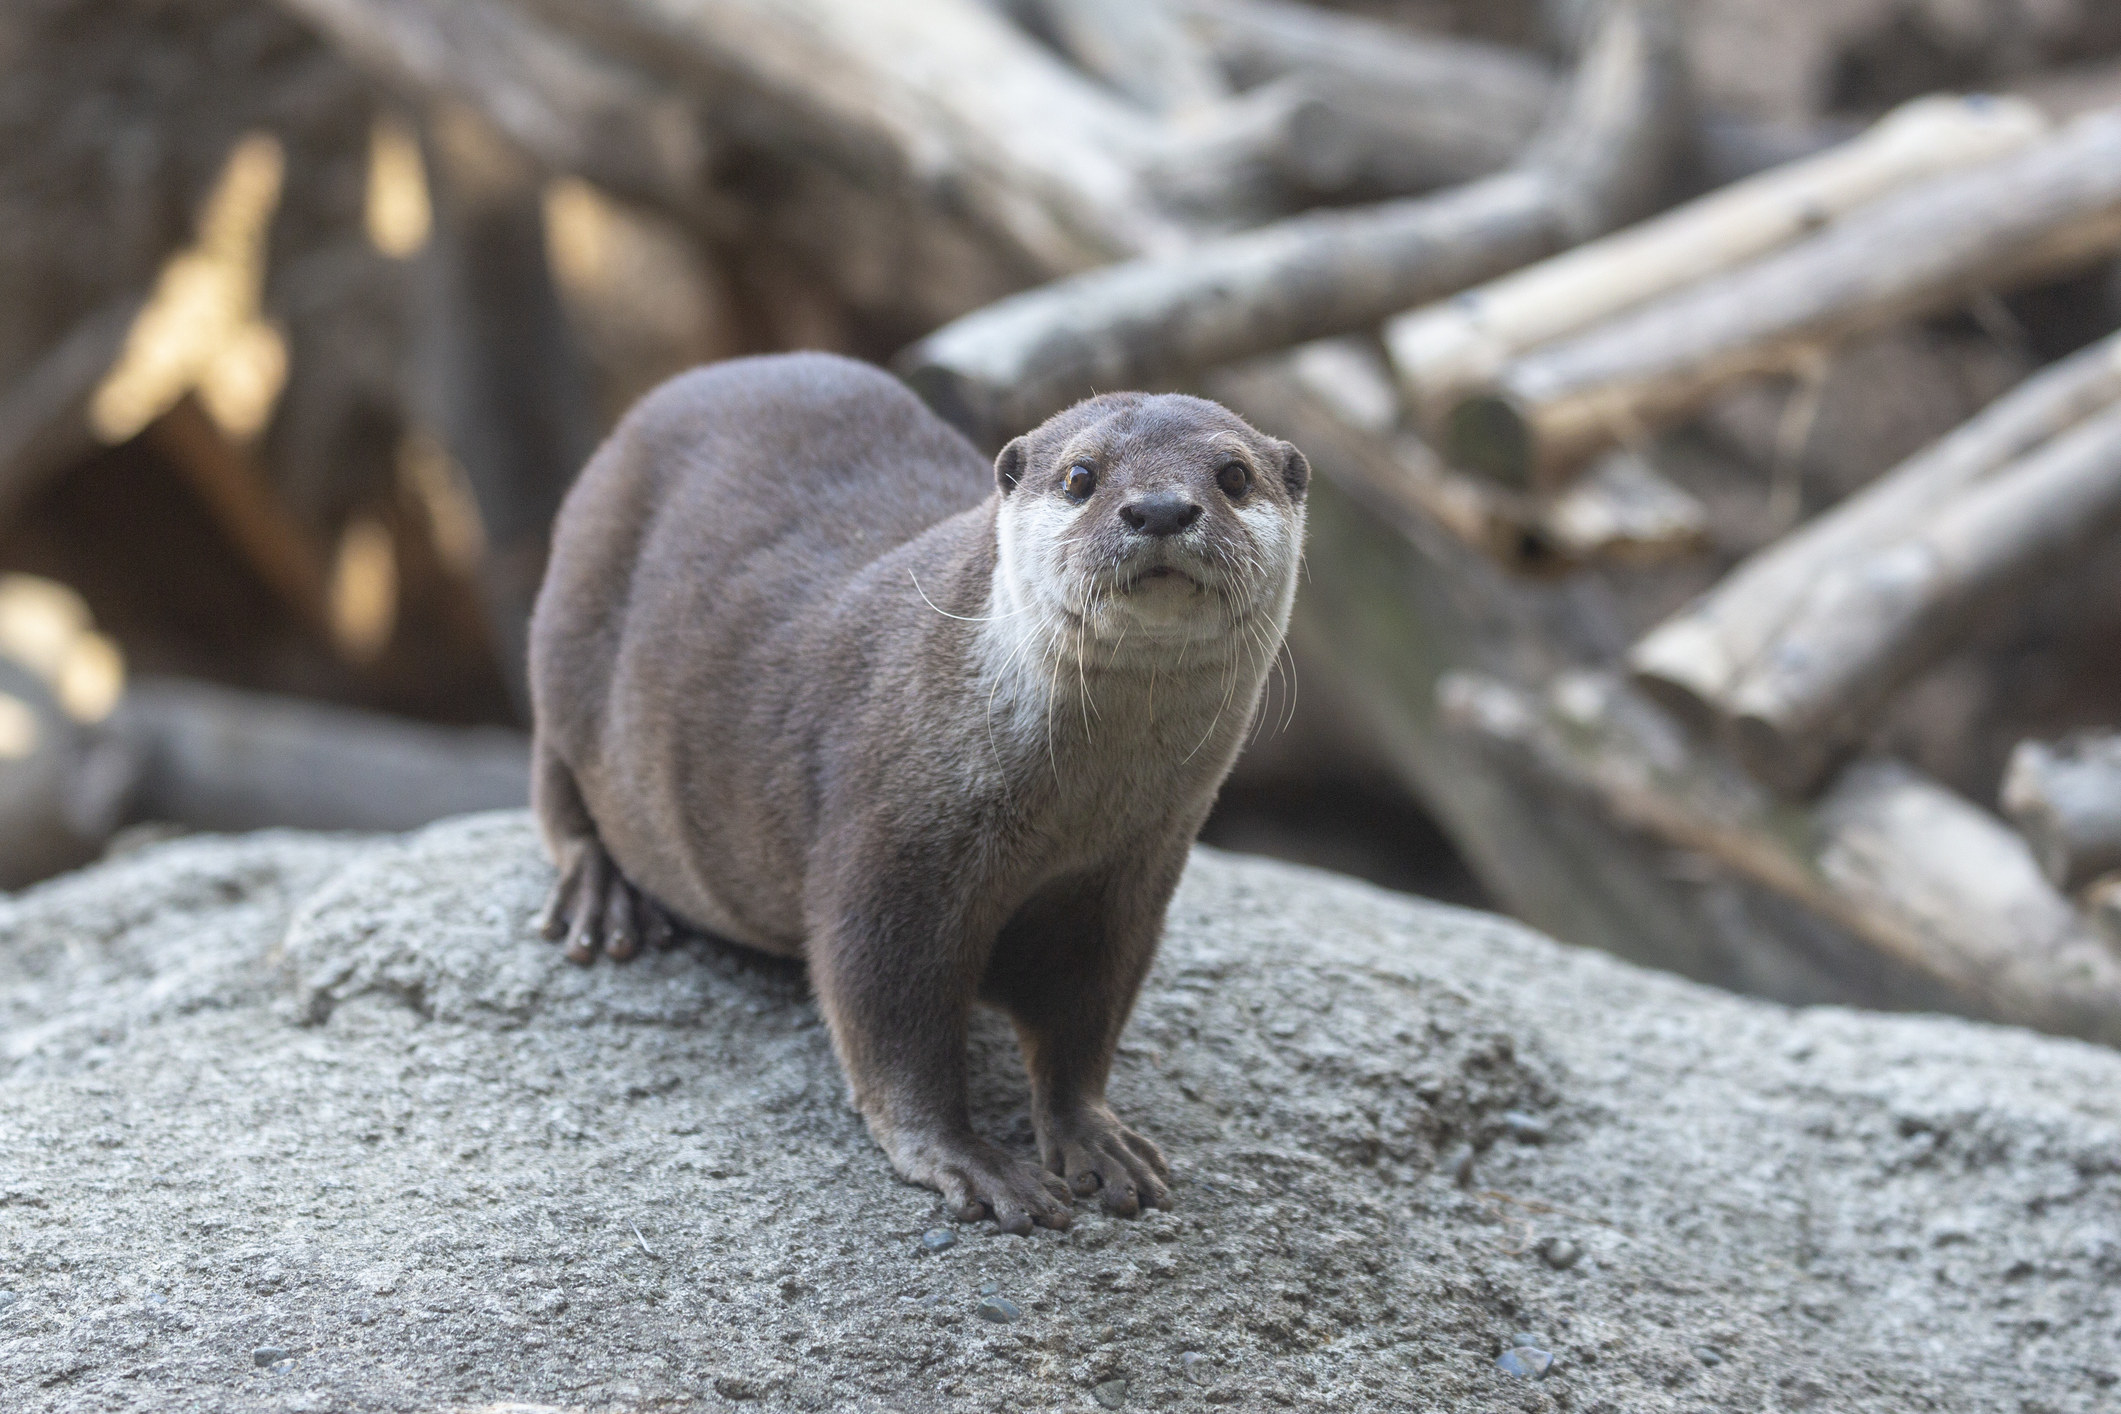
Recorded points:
(1068, 970)
(896, 983)
(592, 905)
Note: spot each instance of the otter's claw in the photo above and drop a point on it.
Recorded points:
(977, 1180)
(596, 910)
(1097, 1153)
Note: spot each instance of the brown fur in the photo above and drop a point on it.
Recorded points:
(808, 675)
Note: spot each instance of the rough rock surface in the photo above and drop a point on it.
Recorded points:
(330, 1100)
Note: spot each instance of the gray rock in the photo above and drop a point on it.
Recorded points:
(1560, 1253)
(999, 1309)
(268, 1355)
(358, 1102)
(1111, 1394)
(938, 1239)
(1525, 1128)
(1525, 1362)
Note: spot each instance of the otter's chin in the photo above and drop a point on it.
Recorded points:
(1162, 604)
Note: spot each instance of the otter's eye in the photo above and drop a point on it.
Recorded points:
(1079, 483)
(1234, 478)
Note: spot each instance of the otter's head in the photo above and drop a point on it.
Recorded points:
(1156, 517)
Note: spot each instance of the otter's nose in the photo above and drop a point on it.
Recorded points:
(1160, 513)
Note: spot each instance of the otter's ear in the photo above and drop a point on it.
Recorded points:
(1009, 466)
(1295, 471)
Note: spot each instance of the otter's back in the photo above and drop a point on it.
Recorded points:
(718, 524)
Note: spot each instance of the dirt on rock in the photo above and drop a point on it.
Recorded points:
(312, 1124)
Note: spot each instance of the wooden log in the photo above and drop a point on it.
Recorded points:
(572, 107)
(1433, 109)
(1448, 351)
(44, 412)
(500, 376)
(1935, 886)
(1869, 625)
(213, 758)
(2102, 903)
(945, 97)
(235, 490)
(1396, 603)
(2031, 213)
(1151, 321)
(1140, 48)
(1694, 661)
(2065, 798)
(928, 156)
(1622, 511)
(1259, 155)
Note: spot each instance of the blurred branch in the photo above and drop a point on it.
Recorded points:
(1903, 864)
(1435, 109)
(1450, 350)
(2011, 220)
(1154, 320)
(215, 758)
(1702, 660)
(2065, 798)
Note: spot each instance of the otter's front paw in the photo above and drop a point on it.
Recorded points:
(978, 1180)
(1096, 1152)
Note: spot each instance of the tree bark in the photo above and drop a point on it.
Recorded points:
(1140, 48)
(1622, 511)
(1695, 660)
(2066, 800)
(1152, 321)
(1451, 350)
(1869, 625)
(2008, 221)
(500, 375)
(216, 759)
(1436, 110)
(44, 412)
(1908, 868)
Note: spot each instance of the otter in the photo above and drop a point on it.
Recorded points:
(810, 675)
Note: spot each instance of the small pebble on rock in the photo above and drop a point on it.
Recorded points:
(1708, 1355)
(267, 1355)
(1111, 1394)
(1196, 1365)
(7, 1299)
(1560, 1253)
(938, 1239)
(999, 1309)
(1526, 1363)
(1524, 1128)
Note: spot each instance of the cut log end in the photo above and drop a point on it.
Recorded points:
(1490, 434)
(1790, 765)
(2065, 798)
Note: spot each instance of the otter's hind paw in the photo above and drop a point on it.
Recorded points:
(596, 910)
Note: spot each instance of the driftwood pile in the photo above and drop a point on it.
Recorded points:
(1459, 273)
